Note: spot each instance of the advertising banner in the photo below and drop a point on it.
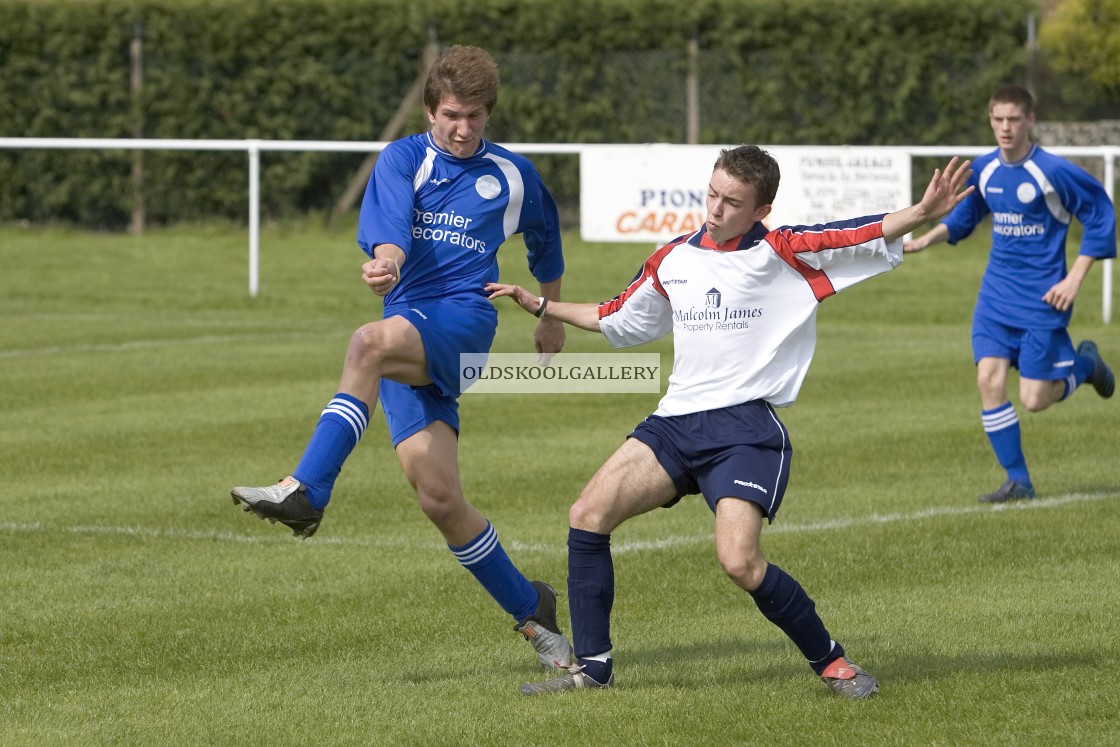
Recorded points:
(653, 193)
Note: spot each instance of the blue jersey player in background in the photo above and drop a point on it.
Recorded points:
(437, 208)
(1026, 296)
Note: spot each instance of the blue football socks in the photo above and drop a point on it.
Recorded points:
(485, 558)
(783, 602)
(340, 427)
(1083, 367)
(1002, 426)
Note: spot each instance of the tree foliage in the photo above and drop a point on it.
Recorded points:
(1082, 38)
(858, 72)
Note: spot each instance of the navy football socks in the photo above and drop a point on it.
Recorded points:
(590, 592)
(600, 671)
(783, 602)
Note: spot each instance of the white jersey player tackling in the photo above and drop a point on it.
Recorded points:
(741, 302)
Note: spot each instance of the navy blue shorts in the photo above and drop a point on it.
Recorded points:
(448, 328)
(1041, 354)
(742, 451)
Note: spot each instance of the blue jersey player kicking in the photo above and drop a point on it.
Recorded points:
(437, 208)
(716, 431)
(1026, 296)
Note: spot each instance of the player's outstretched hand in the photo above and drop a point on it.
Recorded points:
(548, 338)
(944, 191)
(524, 298)
(915, 246)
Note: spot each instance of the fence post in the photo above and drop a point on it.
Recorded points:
(136, 85)
(692, 94)
(254, 148)
(1109, 185)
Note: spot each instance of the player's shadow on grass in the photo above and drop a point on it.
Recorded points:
(917, 667)
(728, 648)
(732, 660)
(737, 662)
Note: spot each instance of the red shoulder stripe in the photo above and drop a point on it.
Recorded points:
(789, 242)
(648, 273)
(831, 235)
(817, 279)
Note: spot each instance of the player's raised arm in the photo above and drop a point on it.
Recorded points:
(943, 193)
(582, 315)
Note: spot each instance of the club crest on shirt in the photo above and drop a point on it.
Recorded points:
(487, 187)
(1026, 192)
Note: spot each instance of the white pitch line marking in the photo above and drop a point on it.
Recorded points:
(117, 347)
(279, 536)
(848, 523)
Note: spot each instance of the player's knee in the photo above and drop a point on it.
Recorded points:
(1035, 401)
(746, 571)
(1037, 395)
(367, 343)
(586, 516)
(441, 506)
(991, 385)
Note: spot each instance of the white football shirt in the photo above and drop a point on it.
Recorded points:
(743, 314)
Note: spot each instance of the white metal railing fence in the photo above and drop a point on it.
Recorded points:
(254, 148)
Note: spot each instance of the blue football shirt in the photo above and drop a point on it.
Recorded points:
(450, 215)
(1031, 203)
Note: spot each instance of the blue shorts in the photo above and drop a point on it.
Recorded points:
(742, 451)
(448, 327)
(1041, 354)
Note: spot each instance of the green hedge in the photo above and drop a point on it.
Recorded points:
(770, 71)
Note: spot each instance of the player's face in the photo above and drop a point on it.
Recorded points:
(1012, 129)
(457, 125)
(732, 207)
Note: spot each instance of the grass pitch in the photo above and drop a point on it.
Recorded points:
(140, 382)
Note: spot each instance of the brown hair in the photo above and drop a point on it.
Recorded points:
(1016, 95)
(752, 166)
(467, 73)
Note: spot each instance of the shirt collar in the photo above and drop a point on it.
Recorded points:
(746, 241)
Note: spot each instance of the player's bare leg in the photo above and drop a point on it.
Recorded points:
(1001, 424)
(391, 348)
(781, 599)
(631, 482)
(430, 462)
